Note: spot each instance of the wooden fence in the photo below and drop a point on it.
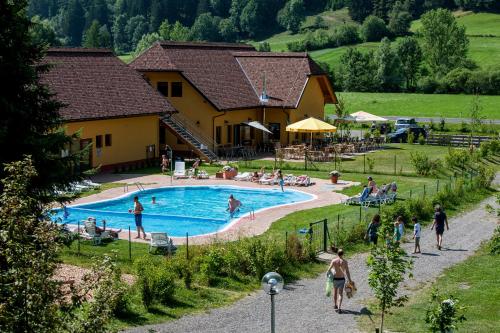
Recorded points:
(456, 140)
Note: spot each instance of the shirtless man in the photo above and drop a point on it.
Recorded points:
(137, 211)
(340, 272)
(233, 204)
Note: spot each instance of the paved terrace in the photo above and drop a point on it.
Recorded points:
(244, 227)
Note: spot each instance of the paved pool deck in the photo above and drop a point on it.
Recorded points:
(324, 192)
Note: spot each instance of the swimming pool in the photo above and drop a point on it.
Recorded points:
(197, 210)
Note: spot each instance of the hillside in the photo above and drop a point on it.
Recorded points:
(483, 30)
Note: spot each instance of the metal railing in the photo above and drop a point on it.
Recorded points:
(188, 126)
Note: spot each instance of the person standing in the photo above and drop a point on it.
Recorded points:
(233, 205)
(397, 232)
(339, 270)
(371, 232)
(137, 211)
(281, 181)
(401, 225)
(164, 163)
(440, 219)
(416, 234)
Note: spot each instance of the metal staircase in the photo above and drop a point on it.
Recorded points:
(188, 132)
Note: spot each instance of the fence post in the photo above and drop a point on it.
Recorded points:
(305, 159)
(364, 162)
(286, 243)
(187, 246)
(325, 233)
(129, 244)
(394, 164)
(437, 186)
(335, 158)
(424, 191)
(359, 213)
(78, 238)
(410, 193)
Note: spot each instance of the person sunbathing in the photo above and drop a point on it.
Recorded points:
(255, 177)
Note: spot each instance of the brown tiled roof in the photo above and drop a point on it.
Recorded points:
(95, 84)
(286, 74)
(230, 76)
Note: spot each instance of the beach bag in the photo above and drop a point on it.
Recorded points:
(328, 288)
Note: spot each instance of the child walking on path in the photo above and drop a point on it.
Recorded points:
(416, 234)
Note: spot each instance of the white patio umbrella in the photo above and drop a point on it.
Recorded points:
(362, 116)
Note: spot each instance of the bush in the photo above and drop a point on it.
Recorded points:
(457, 158)
(421, 140)
(346, 34)
(371, 163)
(428, 85)
(411, 138)
(423, 165)
(374, 29)
(485, 176)
(495, 242)
(156, 282)
(294, 250)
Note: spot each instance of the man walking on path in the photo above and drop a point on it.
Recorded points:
(416, 234)
(138, 217)
(340, 272)
(440, 220)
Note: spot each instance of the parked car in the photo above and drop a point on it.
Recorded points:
(401, 135)
(405, 122)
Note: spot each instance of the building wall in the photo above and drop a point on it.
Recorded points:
(129, 138)
(206, 118)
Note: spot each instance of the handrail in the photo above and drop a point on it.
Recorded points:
(189, 127)
(139, 186)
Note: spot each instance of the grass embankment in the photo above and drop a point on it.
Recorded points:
(417, 105)
(474, 282)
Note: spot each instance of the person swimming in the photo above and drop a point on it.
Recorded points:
(233, 205)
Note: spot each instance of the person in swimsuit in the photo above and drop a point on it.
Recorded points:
(281, 181)
(137, 211)
(164, 163)
(233, 204)
(372, 185)
(440, 219)
(340, 270)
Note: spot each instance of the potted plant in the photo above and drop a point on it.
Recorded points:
(334, 176)
(229, 172)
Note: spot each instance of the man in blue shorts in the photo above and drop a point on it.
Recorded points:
(440, 219)
(137, 211)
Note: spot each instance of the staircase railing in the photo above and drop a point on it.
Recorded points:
(188, 126)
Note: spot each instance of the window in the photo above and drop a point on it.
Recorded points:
(98, 141)
(275, 128)
(218, 132)
(107, 140)
(229, 133)
(176, 89)
(162, 88)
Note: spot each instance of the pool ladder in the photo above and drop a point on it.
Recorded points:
(139, 186)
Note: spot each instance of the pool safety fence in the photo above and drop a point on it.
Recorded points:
(339, 230)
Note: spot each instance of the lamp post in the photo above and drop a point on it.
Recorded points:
(272, 283)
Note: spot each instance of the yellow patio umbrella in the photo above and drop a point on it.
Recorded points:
(311, 125)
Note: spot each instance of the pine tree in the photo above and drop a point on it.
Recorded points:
(360, 9)
(105, 37)
(74, 22)
(120, 38)
(157, 15)
(97, 10)
(91, 36)
(30, 123)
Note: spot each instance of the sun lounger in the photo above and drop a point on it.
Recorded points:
(160, 241)
(268, 179)
(303, 181)
(91, 233)
(180, 170)
(245, 176)
(89, 183)
(202, 174)
(290, 180)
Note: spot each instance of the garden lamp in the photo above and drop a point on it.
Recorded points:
(272, 283)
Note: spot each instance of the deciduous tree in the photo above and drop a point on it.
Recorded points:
(444, 41)
(360, 9)
(291, 16)
(410, 55)
(373, 29)
(389, 74)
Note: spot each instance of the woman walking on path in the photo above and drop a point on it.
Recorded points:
(440, 219)
(371, 232)
(340, 272)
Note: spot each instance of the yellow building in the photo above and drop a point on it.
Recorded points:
(230, 95)
(116, 112)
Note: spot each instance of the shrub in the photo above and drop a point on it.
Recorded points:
(444, 314)
(485, 176)
(294, 249)
(423, 165)
(346, 34)
(156, 282)
(428, 85)
(495, 242)
(457, 158)
(421, 140)
(411, 138)
(371, 163)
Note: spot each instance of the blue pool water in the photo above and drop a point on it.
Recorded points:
(194, 209)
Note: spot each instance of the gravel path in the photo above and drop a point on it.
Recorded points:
(302, 306)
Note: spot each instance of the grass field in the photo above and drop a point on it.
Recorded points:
(474, 282)
(418, 105)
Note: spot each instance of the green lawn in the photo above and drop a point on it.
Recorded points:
(475, 23)
(485, 51)
(417, 105)
(474, 282)
(332, 56)
(126, 58)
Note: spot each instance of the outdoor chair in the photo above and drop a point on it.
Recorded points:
(290, 180)
(91, 233)
(245, 176)
(303, 181)
(267, 179)
(180, 170)
(160, 241)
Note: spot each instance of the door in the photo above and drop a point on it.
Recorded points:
(86, 157)
(236, 136)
